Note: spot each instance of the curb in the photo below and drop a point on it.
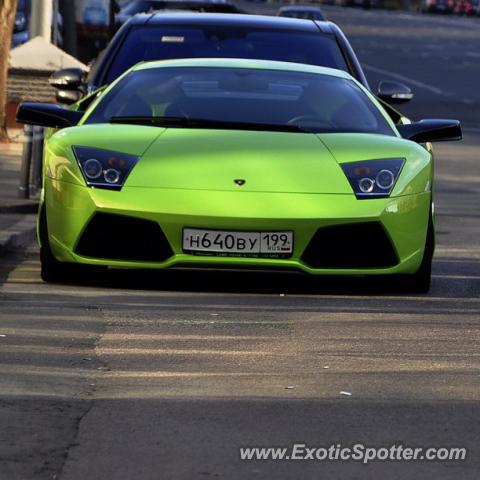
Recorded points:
(18, 235)
(22, 206)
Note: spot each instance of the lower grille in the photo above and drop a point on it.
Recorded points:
(356, 245)
(123, 238)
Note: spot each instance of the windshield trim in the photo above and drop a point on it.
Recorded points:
(203, 123)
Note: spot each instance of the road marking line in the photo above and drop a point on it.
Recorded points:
(161, 351)
(402, 78)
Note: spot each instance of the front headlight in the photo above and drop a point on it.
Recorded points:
(103, 168)
(373, 178)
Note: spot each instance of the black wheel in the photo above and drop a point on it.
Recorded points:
(420, 281)
(51, 269)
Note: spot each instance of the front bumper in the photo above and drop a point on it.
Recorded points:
(70, 207)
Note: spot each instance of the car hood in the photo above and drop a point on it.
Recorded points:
(262, 161)
(265, 161)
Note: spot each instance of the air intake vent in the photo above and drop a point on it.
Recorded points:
(120, 237)
(356, 245)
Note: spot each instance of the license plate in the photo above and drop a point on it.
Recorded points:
(237, 244)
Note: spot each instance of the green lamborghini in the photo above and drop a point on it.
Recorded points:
(237, 163)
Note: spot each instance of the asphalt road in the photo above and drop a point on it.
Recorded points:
(136, 376)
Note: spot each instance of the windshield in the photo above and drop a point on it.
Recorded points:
(210, 96)
(171, 42)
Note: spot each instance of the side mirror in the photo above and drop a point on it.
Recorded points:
(394, 92)
(67, 79)
(431, 131)
(47, 115)
(68, 97)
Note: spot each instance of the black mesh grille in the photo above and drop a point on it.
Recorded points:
(123, 238)
(357, 245)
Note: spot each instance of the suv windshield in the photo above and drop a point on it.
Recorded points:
(219, 97)
(171, 42)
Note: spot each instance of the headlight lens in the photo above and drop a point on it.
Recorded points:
(385, 179)
(104, 168)
(373, 178)
(92, 168)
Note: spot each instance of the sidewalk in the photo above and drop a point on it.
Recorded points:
(17, 216)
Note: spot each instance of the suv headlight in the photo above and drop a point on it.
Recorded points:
(104, 168)
(373, 178)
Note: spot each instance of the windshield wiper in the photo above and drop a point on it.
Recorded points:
(206, 123)
(138, 120)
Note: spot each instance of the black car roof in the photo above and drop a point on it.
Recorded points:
(234, 20)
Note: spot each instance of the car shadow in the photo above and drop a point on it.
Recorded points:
(239, 281)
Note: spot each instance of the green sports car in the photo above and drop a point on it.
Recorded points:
(237, 163)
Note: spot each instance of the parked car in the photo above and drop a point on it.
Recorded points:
(367, 4)
(299, 11)
(438, 6)
(466, 7)
(476, 7)
(22, 20)
(227, 163)
(21, 33)
(181, 35)
(146, 6)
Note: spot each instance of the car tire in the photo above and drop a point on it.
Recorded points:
(52, 270)
(420, 281)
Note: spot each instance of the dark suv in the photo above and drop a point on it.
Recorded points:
(161, 36)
